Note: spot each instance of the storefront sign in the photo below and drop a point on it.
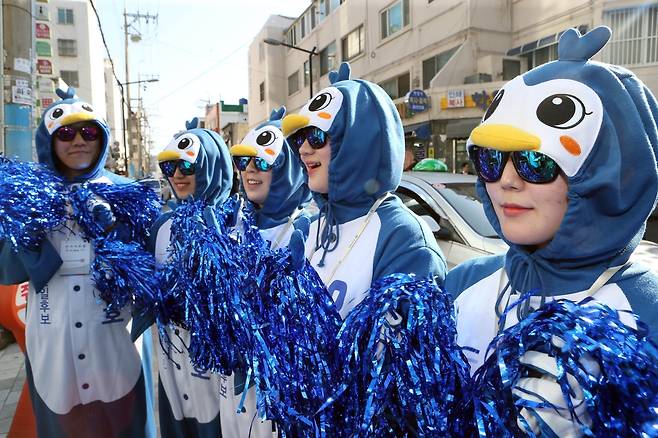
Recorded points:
(42, 30)
(21, 95)
(46, 102)
(22, 64)
(43, 48)
(483, 99)
(479, 99)
(22, 83)
(45, 85)
(455, 99)
(41, 13)
(417, 101)
(44, 67)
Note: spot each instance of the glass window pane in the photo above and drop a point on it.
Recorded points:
(391, 87)
(384, 25)
(394, 19)
(403, 84)
(429, 70)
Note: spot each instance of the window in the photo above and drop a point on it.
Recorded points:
(328, 59)
(313, 12)
(292, 35)
(70, 77)
(396, 87)
(67, 48)
(394, 18)
(293, 83)
(316, 71)
(261, 89)
(511, 69)
(433, 65)
(64, 16)
(323, 10)
(353, 44)
(303, 27)
(634, 35)
(541, 56)
(333, 4)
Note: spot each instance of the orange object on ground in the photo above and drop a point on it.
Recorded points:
(13, 303)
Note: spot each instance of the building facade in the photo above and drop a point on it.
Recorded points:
(441, 61)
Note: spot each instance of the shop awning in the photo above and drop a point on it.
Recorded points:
(421, 131)
(461, 128)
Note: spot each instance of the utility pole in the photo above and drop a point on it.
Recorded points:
(135, 38)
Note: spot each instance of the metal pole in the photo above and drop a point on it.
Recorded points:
(310, 70)
(2, 81)
(123, 124)
(139, 130)
(128, 120)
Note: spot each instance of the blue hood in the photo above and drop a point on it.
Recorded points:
(288, 189)
(612, 172)
(208, 151)
(367, 142)
(64, 112)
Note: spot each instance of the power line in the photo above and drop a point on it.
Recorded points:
(107, 49)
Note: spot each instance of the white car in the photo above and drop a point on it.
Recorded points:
(449, 204)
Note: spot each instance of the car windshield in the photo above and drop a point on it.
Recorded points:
(463, 198)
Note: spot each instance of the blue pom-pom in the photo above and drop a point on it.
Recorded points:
(290, 324)
(403, 372)
(134, 205)
(123, 273)
(198, 283)
(32, 202)
(620, 392)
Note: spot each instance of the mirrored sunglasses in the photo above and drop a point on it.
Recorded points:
(68, 133)
(168, 168)
(242, 162)
(316, 137)
(533, 167)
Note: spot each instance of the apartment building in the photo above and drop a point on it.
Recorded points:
(441, 61)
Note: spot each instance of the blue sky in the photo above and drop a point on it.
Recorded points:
(198, 49)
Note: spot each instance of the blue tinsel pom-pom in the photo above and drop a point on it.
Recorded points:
(197, 286)
(290, 324)
(123, 273)
(621, 395)
(33, 202)
(403, 373)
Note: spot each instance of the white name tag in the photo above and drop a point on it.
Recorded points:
(76, 256)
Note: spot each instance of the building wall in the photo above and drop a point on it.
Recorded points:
(89, 62)
(486, 33)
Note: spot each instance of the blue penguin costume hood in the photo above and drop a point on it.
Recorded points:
(65, 112)
(598, 122)
(288, 189)
(366, 138)
(208, 151)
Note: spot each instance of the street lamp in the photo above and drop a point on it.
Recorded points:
(123, 116)
(273, 42)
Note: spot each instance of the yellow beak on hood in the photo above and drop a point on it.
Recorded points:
(168, 156)
(292, 123)
(243, 150)
(76, 117)
(505, 138)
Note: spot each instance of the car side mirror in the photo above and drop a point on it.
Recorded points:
(432, 223)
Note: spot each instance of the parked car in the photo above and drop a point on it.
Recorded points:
(160, 186)
(449, 204)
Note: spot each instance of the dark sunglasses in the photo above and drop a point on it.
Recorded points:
(316, 137)
(242, 162)
(168, 168)
(532, 167)
(68, 133)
